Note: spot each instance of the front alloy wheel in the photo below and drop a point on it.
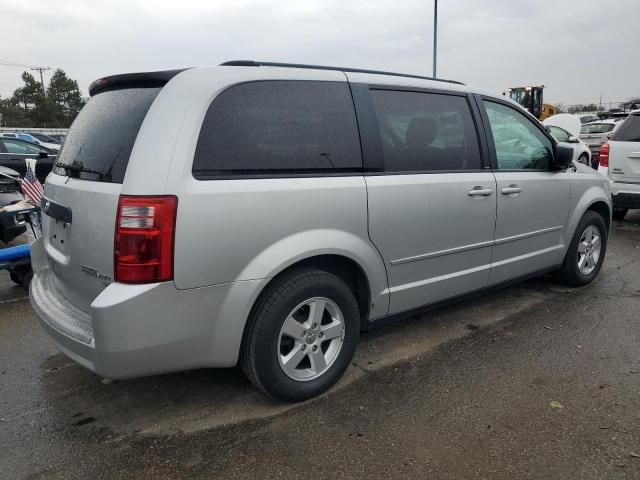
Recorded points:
(586, 252)
(589, 249)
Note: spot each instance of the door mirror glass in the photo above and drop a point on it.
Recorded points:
(42, 154)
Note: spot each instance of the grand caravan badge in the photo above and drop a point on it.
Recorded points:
(92, 272)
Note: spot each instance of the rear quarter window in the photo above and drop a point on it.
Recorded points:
(629, 131)
(279, 128)
(102, 135)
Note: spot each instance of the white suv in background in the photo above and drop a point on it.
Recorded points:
(620, 162)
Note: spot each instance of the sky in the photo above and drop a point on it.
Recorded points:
(579, 49)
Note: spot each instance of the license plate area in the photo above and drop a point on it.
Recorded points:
(59, 235)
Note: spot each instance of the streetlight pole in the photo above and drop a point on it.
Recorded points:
(435, 36)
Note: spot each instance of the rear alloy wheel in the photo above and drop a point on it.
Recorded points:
(301, 335)
(584, 159)
(311, 339)
(586, 251)
(619, 213)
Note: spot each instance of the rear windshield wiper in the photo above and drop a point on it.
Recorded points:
(77, 169)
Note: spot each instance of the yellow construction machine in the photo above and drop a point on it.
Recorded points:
(531, 98)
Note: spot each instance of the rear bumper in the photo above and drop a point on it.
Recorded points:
(139, 330)
(625, 195)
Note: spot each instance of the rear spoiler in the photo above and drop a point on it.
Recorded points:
(133, 80)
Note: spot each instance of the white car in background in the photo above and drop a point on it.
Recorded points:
(588, 118)
(565, 128)
(620, 163)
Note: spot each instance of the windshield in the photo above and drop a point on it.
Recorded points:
(597, 128)
(101, 138)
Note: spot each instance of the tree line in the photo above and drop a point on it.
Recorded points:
(32, 105)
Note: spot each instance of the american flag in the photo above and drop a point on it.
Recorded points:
(31, 187)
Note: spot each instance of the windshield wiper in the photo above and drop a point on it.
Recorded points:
(77, 169)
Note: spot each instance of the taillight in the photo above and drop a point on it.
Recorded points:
(143, 250)
(603, 159)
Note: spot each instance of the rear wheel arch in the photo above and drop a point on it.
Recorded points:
(343, 267)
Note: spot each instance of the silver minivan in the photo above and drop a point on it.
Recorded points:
(265, 214)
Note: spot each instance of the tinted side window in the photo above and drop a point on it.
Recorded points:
(426, 131)
(519, 144)
(629, 131)
(279, 127)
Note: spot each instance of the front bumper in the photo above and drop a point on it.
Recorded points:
(139, 330)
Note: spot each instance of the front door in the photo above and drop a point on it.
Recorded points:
(432, 209)
(533, 198)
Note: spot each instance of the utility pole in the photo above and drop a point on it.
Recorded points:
(435, 36)
(41, 69)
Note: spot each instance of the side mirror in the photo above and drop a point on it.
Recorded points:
(562, 156)
(42, 154)
(574, 140)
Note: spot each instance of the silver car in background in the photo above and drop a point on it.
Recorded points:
(595, 134)
(265, 214)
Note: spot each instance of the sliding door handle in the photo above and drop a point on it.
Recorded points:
(511, 189)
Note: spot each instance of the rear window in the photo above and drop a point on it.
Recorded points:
(596, 128)
(101, 138)
(279, 127)
(629, 131)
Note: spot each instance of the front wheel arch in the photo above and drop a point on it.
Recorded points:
(603, 210)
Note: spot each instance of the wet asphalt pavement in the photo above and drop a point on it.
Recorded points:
(535, 381)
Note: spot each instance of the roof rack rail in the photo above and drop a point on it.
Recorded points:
(252, 63)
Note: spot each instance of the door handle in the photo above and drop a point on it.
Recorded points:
(634, 155)
(480, 192)
(511, 189)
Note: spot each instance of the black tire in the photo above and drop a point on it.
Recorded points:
(15, 277)
(26, 278)
(569, 273)
(259, 356)
(584, 159)
(22, 275)
(619, 213)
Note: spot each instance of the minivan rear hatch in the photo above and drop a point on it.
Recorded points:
(81, 194)
(624, 151)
